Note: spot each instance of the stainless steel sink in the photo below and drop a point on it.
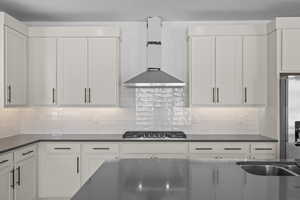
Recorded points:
(293, 168)
(268, 170)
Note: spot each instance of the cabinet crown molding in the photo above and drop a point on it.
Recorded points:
(286, 23)
(7, 20)
(228, 29)
(74, 31)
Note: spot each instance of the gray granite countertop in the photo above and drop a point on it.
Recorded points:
(13, 142)
(184, 180)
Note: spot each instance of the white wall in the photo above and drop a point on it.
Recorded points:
(209, 120)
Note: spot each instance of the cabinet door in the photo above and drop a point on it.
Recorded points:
(59, 167)
(26, 179)
(103, 71)
(42, 71)
(290, 50)
(202, 180)
(261, 189)
(16, 67)
(254, 69)
(229, 70)
(229, 183)
(6, 182)
(72, 71)
(202, 72)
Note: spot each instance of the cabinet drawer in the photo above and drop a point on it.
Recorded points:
(101, 148)
(218, 147)
(6, 160)
(232, 148)
(204, 147)
(62, 148)
(151, 147)
(264, 148)
(25, 153)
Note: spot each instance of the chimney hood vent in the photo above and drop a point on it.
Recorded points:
(154, 76)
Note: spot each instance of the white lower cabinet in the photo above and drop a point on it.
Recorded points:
(25, 173)
(64, 167)
(94, 155)
(18, 174)
(59, 169)
(6, 177)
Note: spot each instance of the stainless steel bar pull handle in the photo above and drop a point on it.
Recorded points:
(218, 99)
(77, 165)
(53, 95)
(85, 101)
(101, 148)
(263, 149)
(3, 161)
(245, 100)
(62, 148)
(26, 153)
(12, 172)
(9, 94)
(19, 176)
(203, 149)
(233, 149)
(213, 95)
(89, 95)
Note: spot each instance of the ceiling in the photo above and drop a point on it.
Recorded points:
(135, 10)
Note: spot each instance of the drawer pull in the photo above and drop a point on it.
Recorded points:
(203, 149)
(101, 148)
(13, 178)
(19, 176)
(235, 149)
(77, 165)
(62, 148)
(262, 149)
(3, 161)
(26, 153)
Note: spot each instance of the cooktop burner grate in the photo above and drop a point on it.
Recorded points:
(154, 135)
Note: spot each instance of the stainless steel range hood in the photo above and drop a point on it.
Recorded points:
(154, 76)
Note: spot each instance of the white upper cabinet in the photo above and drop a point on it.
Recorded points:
(290, 50)
(202, 71)
(42, 71)
(103, 65)
(228, 64)
(72, 71)
(254, 70)
(287, 44)
(16, 67)
(74, 66)
(228, 70)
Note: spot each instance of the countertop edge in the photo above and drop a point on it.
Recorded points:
(14, 147)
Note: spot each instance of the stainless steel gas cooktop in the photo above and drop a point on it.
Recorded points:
(154, 135)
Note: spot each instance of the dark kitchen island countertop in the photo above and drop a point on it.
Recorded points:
(167, 179)
(17, 141)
